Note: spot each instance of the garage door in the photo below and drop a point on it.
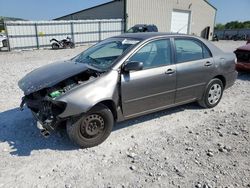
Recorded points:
(180, 22)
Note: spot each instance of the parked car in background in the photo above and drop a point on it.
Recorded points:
(243, 57)
(3, 40)
(125, 77)
(139, 28)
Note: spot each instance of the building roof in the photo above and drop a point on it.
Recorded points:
(111, 3)
(87, 9)
(210, 5)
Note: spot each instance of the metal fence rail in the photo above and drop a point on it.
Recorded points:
(37, 34)
(227, 34)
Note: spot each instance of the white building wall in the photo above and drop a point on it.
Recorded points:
(159, 12)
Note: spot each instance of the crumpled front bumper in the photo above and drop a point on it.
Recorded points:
(45, 111)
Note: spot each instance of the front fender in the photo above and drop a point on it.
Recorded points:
(83, 98)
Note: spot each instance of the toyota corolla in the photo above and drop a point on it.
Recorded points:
(125, 77)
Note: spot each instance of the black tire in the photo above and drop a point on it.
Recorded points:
(85, 134)
(206, 100)
(5, 43)
(55, 46)
(72, 45)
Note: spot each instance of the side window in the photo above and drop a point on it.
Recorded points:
(188, 50)
(154, 54)
(206, 52)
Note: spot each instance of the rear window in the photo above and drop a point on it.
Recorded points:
(190, 50)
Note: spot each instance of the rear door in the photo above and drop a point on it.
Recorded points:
(152, 88)
(194, 66)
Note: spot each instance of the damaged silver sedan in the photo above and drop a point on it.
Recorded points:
(125, 77)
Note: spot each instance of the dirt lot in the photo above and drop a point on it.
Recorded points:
(185, 146)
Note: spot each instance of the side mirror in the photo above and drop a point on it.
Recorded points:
(133, 66)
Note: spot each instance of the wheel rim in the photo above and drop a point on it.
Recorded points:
(214, 94)
(55, 46)
(92, 126)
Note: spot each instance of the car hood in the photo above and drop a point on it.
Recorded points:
(49, 75)
(245, 47)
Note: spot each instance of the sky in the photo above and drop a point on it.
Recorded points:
(44, 9)
(228, 10)
(231, 10)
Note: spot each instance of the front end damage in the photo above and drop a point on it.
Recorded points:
(45, 110)
(44, 104)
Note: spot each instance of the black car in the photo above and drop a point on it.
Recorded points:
(139, 28)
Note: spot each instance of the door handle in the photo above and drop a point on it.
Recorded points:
(208, 64)
(170, 71)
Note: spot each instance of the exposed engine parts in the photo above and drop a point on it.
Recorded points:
(44, 106)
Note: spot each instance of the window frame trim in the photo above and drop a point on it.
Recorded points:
(172, 58)
(190, 39)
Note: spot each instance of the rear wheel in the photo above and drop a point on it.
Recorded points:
(55, 46)
(213, 94)
(5, 43)
(93, 128)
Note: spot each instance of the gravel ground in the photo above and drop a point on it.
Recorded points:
(186, 146)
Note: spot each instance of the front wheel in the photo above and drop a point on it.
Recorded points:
(72, 45)
(93, 128)
(213, 94)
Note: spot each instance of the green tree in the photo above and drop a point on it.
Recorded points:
(246, 24)
(233, 25)
(219, 26)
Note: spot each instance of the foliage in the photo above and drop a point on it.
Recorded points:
(6, 18)
(219, 26)
(233, 25)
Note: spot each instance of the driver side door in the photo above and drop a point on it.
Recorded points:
(152, 88)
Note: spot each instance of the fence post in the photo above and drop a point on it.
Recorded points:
(37, 40)
(7, 35)
(100, 30)
(123, 26)
(72, 32)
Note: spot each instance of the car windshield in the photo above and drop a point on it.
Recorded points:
(103, 55)
(136, 30)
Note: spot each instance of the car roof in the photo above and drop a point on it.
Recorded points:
(148, 35)
(143, 25)
(154, 35)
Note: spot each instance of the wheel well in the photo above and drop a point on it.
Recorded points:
(222, 78)
(111, 105)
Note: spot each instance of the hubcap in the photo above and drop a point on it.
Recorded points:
(214, 94)
(92, 125)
